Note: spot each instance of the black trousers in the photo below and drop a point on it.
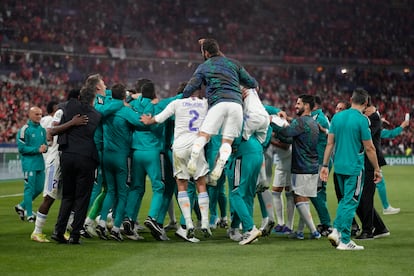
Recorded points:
(370, 219)
(78, 174)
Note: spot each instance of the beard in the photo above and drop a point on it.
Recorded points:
(299, 112)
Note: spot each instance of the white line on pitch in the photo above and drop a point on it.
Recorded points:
(3, 196)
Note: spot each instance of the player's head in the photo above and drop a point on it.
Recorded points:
(74, 94)
(87, 95)
(304, 104)
(51, 107)
(35, 114)
(209, 48)
(342, 105)
(318, 102)
(96, 82)
(360, 97)
(148, 90)
(118, 91)
(139, 83)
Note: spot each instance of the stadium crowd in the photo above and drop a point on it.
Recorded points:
(323, 28)
(391, 92)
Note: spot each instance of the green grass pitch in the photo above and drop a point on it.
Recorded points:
(274, 255)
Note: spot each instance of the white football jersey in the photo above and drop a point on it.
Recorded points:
(189, 115)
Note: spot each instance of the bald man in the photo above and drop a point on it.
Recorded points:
(31, 143)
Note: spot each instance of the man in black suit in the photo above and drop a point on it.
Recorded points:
(79, 159)
(372, 224)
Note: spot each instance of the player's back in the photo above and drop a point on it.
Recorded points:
(189, 115)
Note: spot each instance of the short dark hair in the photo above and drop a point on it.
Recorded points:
(359, 96)
(118, 91)
(139, 83)
(51, 107)
(309, 99)
(148, 90)
(211, 45)
(73, 94)
(87, 94)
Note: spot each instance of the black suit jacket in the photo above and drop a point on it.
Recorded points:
(79, 139)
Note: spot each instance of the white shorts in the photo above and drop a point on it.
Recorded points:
(256, 124)
(180, 161)
(282, 178)
(53, 185)
(305, 184)
(227, 116)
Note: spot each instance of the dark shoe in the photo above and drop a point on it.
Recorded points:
(190, 233)
(85, 234)
(20, 211)
(128, 226)
(354, 230)
(381, 234)
(59, 238)
(116, 236)
(101, 231)
(365, 236)
(73, 240)
(153, 226)
(324, 229)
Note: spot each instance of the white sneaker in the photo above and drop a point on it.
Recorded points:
(250, 236)
(90, 229)
(234, 234)
(218, 169)
(351, 245)
(334, 237)
(391, 210)
(182, 233)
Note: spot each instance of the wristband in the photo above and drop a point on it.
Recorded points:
(325, 165)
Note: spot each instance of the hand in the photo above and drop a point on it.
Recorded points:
(79, 120)
(377, 176)
(43, 148)
(324, 174)
(146, 119)
(283, 115)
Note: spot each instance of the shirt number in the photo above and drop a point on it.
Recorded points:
(195, 115)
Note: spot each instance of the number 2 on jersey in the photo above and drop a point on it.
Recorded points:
(195, 115)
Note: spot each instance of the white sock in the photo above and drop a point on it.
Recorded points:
(290, 209)
(40, 222)
(305, 214)
(203, 203)
(225, 151)
(267, 199)
(278, 202)
(115, 229)
(185, 206)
